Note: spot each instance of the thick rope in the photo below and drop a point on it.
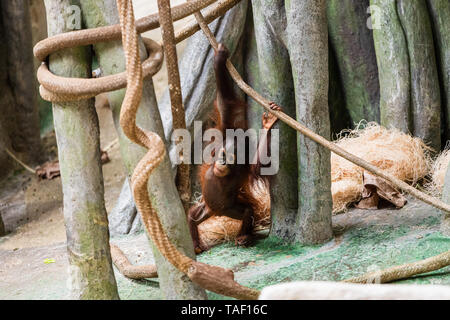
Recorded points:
(404, 271)
(127, 269)
(390, 274)
(178, 114)
(149, 140)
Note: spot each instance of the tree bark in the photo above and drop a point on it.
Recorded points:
(425, 91)
(277, 85)
(77, 134)
(307, 35)
(440, 13)
(393, 68)
(353, 45)
(163, 193)
(26, 140)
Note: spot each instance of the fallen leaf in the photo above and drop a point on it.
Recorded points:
(48, 261)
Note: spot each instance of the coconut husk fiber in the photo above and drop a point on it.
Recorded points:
(437, 173)
(399, 154)
(218, 229)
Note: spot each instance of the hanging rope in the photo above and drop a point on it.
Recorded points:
(178, 115)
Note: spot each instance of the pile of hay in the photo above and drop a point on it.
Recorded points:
(219, 229)
(399, 154)
(437, 173)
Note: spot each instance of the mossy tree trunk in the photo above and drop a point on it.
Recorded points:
(277, 85)
(393, 67)
(425, 91)
(440, 14)
(352, 42)
(162, 189)
(77, 134)
(307, 36)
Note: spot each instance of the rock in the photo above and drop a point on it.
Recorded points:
(122, 218)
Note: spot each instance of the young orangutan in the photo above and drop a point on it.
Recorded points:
(226, 184)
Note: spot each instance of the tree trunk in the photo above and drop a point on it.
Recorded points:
(25, 139)
(393, 67)
(425, 91)
(308, 50)
(77, 134)
(440, 13)
(353, 44)
(277, 85)
(163, 193)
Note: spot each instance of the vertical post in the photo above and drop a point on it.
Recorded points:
(393, 67)
(425, 91)
(77, 134)
(269, 21)
(307, 38)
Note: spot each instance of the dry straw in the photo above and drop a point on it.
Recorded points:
(438, 171)
(399, 154)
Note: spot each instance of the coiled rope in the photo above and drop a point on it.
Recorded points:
(57, 89)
